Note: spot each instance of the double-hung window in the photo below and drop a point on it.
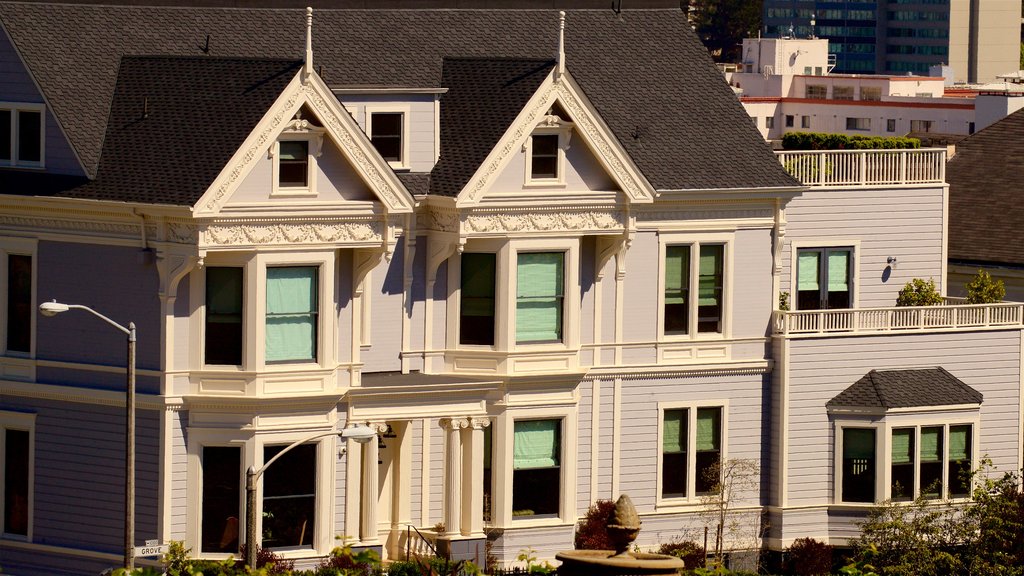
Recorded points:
(477, 298)
(540, 296)
(222, 505)
(291, 314)
(224, 326)
(16, 469)
(289, 497)
(386, 134)
(536, 467)
(293, 164)
(933, 461)
(691, 451)
(19, 307)
(21, 135)
(824, 278)
(694, 269)
(858, 465)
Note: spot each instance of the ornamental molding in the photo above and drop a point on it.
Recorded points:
(455, 423)
(286, 233)
(546, 221)
(89, 223)
(681, 215)
(440, 219)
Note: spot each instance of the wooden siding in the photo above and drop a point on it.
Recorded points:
(904, 222)
(584, 434)
(751, 289)
(421, 121)
(545, 543)
(641, 291)
(383, 354)
(341, 477)
(821, 368)
(437, 456)
(178, 490)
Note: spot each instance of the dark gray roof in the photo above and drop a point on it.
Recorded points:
(645, 71)
(906, 389)
(484, 97)
(197, 113)
(986, 197)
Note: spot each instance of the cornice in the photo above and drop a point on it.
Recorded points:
(697, 371)
(549, 220)
(265, 233)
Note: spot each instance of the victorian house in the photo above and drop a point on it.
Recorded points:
(543, 257)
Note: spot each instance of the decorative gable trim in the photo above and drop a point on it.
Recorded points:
(340, 128)
(587, 125)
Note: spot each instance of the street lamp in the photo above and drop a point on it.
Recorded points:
(52, 309)
(358, 432)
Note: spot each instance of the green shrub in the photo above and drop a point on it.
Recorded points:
(691, 553)
(984, 290)
(917, 292)
(784, 301)
(809, 557)
(825, 141)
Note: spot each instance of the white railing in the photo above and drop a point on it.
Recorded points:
(866, 167)
(900, 319)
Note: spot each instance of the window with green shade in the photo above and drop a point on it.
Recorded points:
(293, 164)
(693, 269)
(540, 292)
(674, 442)
(19, 303)
(291, 320)
(858, 465)
(691, 451)
(960, 461)
(222, 493)
(224, 327)
(902, 464)
(931, 462)
(709, 288)
(15, 480)
(709, 449)
(677, 289)
(476, 300)
(536, 467)
(824, 278)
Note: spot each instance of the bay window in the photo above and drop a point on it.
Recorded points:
(224, 325)
(540, 293)
(694, 269)
(931, 461)
(691, 451)
(824, 278)
(858, 465)
(291, 314)
(536, 467)
(19, 303)
(902, 464)
(939, 467)
(16, 474)
(221, 507)
(477, 299)
(960, 463)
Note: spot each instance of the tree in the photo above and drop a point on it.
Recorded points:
(723, 24)
(917, 292)
(732, 481)
(984, 290)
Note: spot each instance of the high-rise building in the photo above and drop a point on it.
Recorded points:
(977, 39)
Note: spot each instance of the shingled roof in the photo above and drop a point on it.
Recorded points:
(906, 389)
(645, 71)
(986, 198)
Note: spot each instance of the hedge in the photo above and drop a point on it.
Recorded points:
(823, 141)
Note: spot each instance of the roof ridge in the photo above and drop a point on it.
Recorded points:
(877, 385)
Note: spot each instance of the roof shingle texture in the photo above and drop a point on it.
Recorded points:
(906, 389)
(645, 71)
(986, 197)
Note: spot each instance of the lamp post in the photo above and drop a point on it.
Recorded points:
(358, 432)
(52, 309)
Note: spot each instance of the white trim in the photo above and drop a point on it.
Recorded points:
(243, 260)
(403, 109)
(25, 422)
(198, 439)
(837, 243)
(324, 262)
(564, 134)
(691, 406)
(15, 109)
(384, 90)
(695, 240)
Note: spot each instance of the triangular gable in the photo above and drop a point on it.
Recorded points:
(588, 126)
(341, 130)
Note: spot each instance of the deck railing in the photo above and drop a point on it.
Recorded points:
(900, 319)
(866, 167)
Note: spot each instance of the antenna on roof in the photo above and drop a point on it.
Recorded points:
(561, 42)
(206, 48)
(617, 6)
(145, 107)
(308, 68)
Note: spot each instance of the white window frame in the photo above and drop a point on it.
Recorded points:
(199, 438)
(370, 109)
(247, 262)
(837, 468)
(691, 498)
(326, 321)
(694, 240)
(26, 422)
(455, 277)
(15, 108)
(238, 262)
(570, 298)
(837, 243)
(563, 130)
(314, 137)
(16, 364)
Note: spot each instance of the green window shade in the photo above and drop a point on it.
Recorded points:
(478, 284)
(807, 270)
(540, 288)
(291, 314)
(709, 428)
(294, 150)
(931, 444)
(710, 279)
(838, 271)
(858, 443)
(902, 446)
(536, 444)
(673, 433)
(959, 440)
(677, 274)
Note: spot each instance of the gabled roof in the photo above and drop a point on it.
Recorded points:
(906, 389)
(645, 71)
(484, 97)
(986, 195)
(175, 122)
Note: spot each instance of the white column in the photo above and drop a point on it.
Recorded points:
(473, 477)
(368, 499)
(453, 474)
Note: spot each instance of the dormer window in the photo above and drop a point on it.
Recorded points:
(545, 149)
(21, 135)
(294, 156)
(387, 125)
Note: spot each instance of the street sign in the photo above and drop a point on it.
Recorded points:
(151, 549)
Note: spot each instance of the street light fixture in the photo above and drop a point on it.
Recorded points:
(52, 309)
(358, 432)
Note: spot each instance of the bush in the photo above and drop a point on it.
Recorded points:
(342, 559)
(592, 531)
(984, 290)
(824, 141)
(691, 553)
(809, 557)
(917, 292)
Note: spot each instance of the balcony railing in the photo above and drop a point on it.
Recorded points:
(900, 319)
(841, 168)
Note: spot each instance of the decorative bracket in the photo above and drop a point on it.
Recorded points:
(364, 260)
(441, 247)
(171, 268)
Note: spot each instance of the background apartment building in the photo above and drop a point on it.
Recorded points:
(977, 39)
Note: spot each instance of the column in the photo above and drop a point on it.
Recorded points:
(473, 477)
(453, 474)
(368, 498)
